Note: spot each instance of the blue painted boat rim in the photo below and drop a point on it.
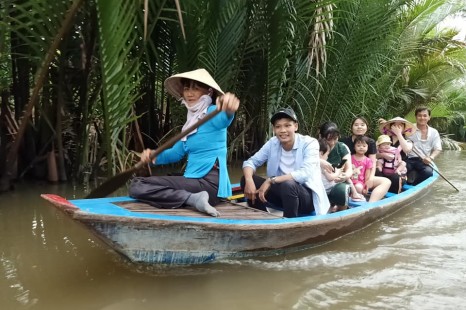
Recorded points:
(105, 207)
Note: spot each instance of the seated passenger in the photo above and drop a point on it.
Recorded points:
(293, 180)
(362, 165)
(426, 146)
(393, 166)
(378, 185)
(398, 129)
(338, 155)
(329, 179)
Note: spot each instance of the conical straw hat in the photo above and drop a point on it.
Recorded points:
(174, 86)
(385, 126)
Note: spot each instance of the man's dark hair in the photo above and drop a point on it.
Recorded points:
(420, 109)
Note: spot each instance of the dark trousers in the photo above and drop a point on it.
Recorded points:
(423, 171)
(395, 178)
(293, 197)
(169, 192)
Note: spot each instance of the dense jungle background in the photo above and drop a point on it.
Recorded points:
(81, 82)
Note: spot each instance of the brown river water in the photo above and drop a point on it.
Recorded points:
(413, 259)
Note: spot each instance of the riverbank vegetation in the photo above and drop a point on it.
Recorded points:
(81, 82)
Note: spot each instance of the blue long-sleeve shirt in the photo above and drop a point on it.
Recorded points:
(307, 166)
(203, 148)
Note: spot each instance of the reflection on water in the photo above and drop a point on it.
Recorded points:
(412, 260)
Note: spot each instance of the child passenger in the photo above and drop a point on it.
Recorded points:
(390, 166)
(329, 179)
(362, 165)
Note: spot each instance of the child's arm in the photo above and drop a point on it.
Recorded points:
(331, 176)
(368, 174)
(385, 155)
(370, 171)
(326, 166)
(379, 164)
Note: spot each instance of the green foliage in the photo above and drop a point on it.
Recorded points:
(5, 69)
(36, 23)
(117, 21)
(327, 59)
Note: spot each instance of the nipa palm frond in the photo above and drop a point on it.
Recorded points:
(36, 23)
(117, 20)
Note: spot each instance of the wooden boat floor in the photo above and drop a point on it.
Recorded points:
(227, 210)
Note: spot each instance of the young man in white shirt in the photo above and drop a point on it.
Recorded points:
(293, 180)
(426, 146)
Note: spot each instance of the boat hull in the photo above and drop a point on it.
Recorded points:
(173, 239)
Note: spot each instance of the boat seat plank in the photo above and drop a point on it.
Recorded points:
(227, 210)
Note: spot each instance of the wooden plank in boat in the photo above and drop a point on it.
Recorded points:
(227, 211)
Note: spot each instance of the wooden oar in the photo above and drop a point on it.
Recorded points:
(120, 179)
(436, 170)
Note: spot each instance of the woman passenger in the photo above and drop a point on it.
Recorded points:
(398, 129)
(378, 185)
(339, 193)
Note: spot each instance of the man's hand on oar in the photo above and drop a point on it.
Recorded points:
(427, 160)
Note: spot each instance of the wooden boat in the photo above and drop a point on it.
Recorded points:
(184, 236)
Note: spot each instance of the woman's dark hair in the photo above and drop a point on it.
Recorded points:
(323, 145)
(362, 139)
(362, 118)
(191, 83)
(329, 130)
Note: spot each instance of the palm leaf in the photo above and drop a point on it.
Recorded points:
(117, 21)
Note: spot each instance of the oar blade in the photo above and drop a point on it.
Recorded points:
(111, 185)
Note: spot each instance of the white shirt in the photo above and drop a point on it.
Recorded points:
(287, 162)
(425, 147)
(306, 166)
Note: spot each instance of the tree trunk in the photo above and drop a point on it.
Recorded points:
(81, 163)
(58, 127)
(7, 129)
(52, 174)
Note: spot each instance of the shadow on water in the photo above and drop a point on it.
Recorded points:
(413, 259)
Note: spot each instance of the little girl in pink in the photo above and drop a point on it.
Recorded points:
(362, 164)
